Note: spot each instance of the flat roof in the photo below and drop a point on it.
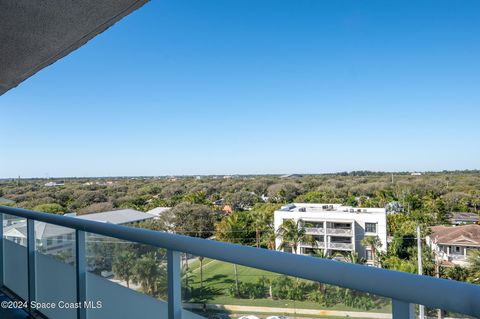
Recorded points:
(45, 230)
(325, 208)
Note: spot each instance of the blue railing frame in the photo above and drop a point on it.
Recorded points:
(404, 289)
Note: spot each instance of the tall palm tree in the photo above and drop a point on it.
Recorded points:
(228, 230)
(374, 243)
(269, 237)
(260, 221)
(292, 233)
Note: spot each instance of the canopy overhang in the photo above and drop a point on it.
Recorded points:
(36, 33)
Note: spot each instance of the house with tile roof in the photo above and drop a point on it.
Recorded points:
(452, 244)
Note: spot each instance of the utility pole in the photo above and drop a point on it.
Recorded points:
(437, 274)
(421, 308)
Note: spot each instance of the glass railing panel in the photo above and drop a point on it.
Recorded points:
(216, 289)
(125, 279)
(439, 313)
(55, 270)
(15, 255)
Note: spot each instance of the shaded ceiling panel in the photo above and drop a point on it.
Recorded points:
(36, 33)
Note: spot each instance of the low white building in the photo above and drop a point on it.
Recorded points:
(53, 184)
(336, 228)
(158, 211)
(53, 239)
(453, 244)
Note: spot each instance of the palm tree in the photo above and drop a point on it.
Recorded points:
(228, 230)
(123, 266)
(201, 272)
(374, 243)
(292, 234)
(260, 222)
(474, 266)
(187, 276)
(268, 237)
(320, 253)
(354, 258)
(148, 273)
(457, 273)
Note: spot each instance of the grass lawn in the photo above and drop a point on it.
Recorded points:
(219, 276)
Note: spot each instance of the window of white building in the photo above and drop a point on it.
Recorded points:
(370, 227)
(368, 254)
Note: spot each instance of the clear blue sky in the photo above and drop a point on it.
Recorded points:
(256, 86)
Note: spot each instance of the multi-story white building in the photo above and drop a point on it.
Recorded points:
(336, 228)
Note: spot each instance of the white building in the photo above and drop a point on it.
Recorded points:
(53, 239)
(158, 211)
(336, 228)
(453, 244)
(53, 184)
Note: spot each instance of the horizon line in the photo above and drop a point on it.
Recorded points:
(400, 172)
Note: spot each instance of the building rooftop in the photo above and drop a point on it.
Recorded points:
(464, 218)
(45, 230)
(324, 208)
(119, 217)
(451, 235)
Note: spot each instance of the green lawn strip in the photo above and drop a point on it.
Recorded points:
(219, 277)
(195, 265)
(211, 313)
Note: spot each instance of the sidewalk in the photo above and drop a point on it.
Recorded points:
(292, 311)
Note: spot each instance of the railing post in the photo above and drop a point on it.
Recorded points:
(1, 250)
(402, 310)
(81, 273)
(174, 285)
(31, 260)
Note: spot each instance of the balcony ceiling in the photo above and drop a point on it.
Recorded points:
(35, 34)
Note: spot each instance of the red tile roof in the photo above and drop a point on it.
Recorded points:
(463, 235)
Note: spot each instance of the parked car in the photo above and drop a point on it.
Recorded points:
(248, 317)
(278, 317)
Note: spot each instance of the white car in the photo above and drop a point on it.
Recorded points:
(248, 317)
(277, 317)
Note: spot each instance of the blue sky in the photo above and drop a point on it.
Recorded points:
(249, 86)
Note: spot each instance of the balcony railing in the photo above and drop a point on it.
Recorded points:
(314, 231)
(341, 246)
(404, 289)
(319, 244)
(339, 231)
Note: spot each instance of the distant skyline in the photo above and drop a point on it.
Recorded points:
(224, 87)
